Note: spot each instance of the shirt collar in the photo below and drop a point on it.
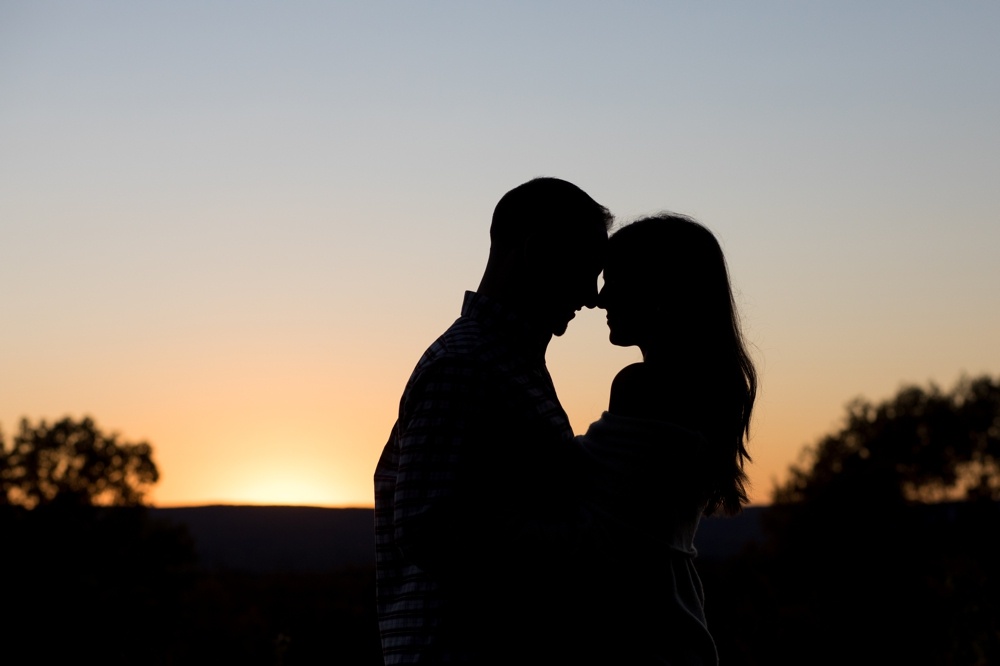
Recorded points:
(502, 321)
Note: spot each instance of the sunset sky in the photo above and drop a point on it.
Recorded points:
(231, 228)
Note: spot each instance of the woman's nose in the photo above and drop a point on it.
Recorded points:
(602, 297)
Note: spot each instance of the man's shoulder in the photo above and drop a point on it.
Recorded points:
(463, 343)
(453, 365)
(465, 339)
(464, 336)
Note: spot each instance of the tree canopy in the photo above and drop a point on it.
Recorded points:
(73, 461)
(921, 445)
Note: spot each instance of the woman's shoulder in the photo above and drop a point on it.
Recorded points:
(635, 392)
(644, 391)
(631, 375)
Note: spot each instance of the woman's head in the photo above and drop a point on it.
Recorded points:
(666, 286)
(667, 291)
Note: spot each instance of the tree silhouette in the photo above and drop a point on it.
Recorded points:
(86, 572)
(921, 445)
(73, 462)
(888, 517)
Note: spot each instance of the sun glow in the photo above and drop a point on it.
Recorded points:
(302, 472)
(287, 486)
(284, 489)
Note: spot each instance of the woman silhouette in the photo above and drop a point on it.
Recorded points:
(670, 448)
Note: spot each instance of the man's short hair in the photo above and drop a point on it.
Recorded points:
(546, 207)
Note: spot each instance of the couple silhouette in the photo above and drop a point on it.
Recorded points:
(501, 538)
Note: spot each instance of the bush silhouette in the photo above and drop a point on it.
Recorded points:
(73, 462)
(922, 445)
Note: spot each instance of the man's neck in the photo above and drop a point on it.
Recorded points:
(531, 335)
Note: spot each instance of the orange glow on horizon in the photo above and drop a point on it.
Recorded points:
(295, 482)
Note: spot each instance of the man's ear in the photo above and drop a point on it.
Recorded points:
(532, 257)
(539, 254)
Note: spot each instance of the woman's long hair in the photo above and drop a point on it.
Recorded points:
(679, 267)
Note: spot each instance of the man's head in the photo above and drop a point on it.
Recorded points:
(547, 248)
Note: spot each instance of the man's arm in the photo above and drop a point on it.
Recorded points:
(434, 435)
(450, 509)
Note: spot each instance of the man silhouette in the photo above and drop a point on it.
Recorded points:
(478, 519)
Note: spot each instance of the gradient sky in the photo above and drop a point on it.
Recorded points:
(231, 228)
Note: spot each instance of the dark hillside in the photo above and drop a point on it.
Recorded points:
(278, 538)
(309, 539)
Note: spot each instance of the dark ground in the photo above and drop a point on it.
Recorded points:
(288, 586)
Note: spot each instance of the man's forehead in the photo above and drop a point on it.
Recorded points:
(591, 240)
(594, 249)
(586, 240)
(592, 233)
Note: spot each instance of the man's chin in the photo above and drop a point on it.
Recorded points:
(558, 328)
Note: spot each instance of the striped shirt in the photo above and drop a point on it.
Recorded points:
(476, 514)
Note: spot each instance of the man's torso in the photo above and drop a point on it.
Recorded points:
(480, 588)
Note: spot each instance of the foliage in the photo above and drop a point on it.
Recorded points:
(913, 585)
(891, 516)
(921, 445)
(73, 462)
(86, 562)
